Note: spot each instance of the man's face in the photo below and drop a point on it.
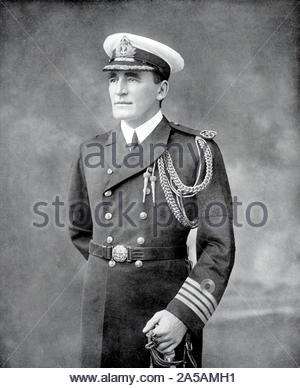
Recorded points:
(133, 95)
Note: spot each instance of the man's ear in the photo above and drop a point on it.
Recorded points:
(163, 90)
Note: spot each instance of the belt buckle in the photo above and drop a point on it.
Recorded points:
(119, 253)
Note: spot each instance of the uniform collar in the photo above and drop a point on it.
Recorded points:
(143, 130)
(139, 158)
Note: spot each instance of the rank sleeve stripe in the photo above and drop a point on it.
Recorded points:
(192, 307)
(205, 293)
(196, 302)
(201, 296)
(197, 296)
(208, 295)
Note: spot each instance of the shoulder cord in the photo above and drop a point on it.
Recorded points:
(175, 190)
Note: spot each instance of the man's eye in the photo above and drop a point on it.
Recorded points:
(132, 79)
(112, 80)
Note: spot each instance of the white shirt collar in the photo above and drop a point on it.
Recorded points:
(142, 131)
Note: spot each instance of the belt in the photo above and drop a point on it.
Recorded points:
(122, 253)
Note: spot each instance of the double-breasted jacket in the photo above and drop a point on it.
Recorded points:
(135, 247)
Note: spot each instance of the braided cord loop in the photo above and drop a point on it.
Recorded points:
(175, 190)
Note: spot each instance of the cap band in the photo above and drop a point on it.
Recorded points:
(126, 57)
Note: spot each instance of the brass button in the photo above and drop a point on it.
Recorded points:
(109, 239)
(148, 190)
(143, 215)
(111, 263)
(109, 171)
(108, 193)
(175, 122)
(138, 263)
(140, 240)
(108, 216)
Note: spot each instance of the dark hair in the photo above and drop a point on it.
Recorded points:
(157, 78)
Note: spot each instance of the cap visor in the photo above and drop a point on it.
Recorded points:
(124, 65)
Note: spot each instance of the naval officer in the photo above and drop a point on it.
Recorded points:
(136, 192)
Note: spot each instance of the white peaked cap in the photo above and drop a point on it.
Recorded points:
(160, 50)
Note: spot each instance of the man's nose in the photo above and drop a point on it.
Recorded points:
(122, 87)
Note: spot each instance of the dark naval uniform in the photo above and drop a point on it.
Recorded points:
(136, 248)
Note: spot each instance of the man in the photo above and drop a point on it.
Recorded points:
(135, 193)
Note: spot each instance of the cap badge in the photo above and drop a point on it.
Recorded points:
(125, 48)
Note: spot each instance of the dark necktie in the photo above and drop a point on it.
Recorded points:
(134, 141)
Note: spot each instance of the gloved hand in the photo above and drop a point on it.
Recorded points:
(167, 330)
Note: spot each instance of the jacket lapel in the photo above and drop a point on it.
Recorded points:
(126, 164)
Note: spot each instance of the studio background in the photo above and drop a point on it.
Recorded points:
(239, 78)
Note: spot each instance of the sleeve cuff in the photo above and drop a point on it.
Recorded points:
(193, 305)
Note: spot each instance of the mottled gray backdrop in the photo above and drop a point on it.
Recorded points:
(239, 78)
